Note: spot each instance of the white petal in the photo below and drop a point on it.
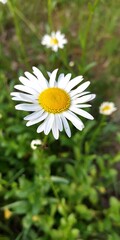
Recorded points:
(53, 78)
(80, 89)
(60, 125)
(81, 113)
(26, 89)
(73, 83)
(64, 41)
(41, 127)
(48, 123)
(28, 107)
(31, 83)
(24, 100)
(58, 33)
(61, 45)
(37, 120)
(46, 40)
(82, 105)
(74, 119)
(60, 79)
(23, 97)
(30, 76)
(55, 130)
(23, 80)
(63, 83)
(84, 99)
(61, 76)
(49, 74)
(40, 77)
(34, 115)
(78, 95)
(55, 48)
(66, 126)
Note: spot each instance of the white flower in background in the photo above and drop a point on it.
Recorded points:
(54, 41)
(35, 143)
(71, 64)
(107, 108)
(3, 1)
(0, 115)
(53, 102)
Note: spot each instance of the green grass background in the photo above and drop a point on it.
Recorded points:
(67, 189)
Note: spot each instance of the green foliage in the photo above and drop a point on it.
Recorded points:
(66, 189)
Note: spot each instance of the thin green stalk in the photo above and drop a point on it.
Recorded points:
(57, 196)
(50, 14)
(88, 27)
(54, 190)
(27, 22)
(44, 143)
(64, 59)
(19, 236)
(97, 131)
(77, 152)
(18, 31)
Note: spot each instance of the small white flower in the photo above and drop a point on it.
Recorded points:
(54, 41)
(35, 143)
(107, 108)
(71, 64)
(3, 1)
(53, 103)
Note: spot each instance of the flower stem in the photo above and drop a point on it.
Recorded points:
(97, 131)
(26, 21)
(87, 30)
(50, 14)
(18, 31)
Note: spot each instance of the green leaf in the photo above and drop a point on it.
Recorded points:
(57, 179)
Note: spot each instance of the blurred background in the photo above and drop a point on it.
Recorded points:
(67, 189)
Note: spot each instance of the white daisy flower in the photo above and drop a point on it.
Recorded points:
(35, 143)
(107, 108)
(53, 103)
(54, 41)
(3, 1)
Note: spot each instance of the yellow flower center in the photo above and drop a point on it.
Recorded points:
(54, 41)
(106, 108)
(54, 100)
